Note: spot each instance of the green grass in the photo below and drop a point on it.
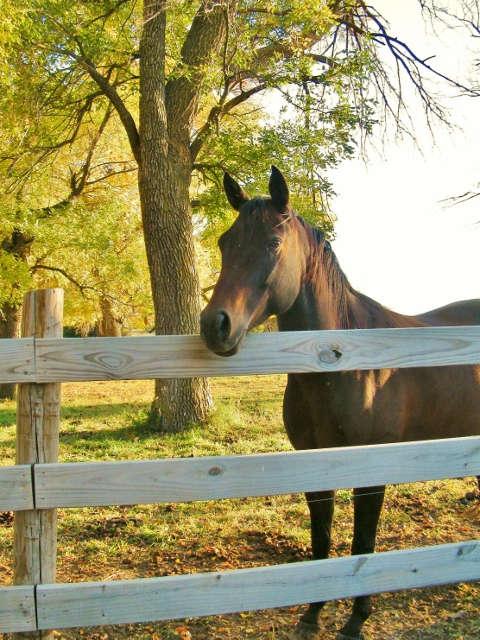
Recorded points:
(109, 421)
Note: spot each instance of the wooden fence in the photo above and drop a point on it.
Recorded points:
(37, 484)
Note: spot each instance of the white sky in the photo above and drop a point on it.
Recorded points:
(395, 242)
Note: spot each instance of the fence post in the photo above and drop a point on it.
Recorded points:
(38, 420)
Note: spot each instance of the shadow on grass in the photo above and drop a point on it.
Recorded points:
(119, 431)
(99, 411)
(94, 424)
(119, 424)
(139, 427)
(76, 415)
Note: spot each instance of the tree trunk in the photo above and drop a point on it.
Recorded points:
(10, 321)
(175, 288)
(164, 180)
(109, 325)
(18, 245)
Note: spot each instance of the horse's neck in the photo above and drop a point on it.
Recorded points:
(324, 304)
(311, 310)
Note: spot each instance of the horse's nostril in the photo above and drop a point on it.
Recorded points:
(224, 326)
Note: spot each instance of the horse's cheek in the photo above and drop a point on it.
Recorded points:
(287, 289)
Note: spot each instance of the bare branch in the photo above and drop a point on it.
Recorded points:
(104, 16)
(107, 88)
(82, 288)
(78, 185)
(111, 174)
(464, 197)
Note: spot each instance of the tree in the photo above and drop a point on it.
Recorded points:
(194, 66)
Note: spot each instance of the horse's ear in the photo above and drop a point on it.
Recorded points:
(278, 190)
(235, 194)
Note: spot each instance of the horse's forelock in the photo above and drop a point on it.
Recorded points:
(262, 209)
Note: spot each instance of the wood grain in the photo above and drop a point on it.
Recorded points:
(209, 478)
(17, 360)
(17, 609)
(105, 603)
(295, 352)
(16, 488)
(37, 437)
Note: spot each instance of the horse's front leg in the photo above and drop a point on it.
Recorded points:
(367, 505)
(321, 505)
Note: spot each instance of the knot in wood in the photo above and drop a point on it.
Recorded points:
(329, 356)
(110, 361)
(215, 471)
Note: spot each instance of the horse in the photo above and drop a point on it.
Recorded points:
(275, 263)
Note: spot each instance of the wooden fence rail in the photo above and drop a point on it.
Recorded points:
(39, 486)
(18, 609)
(93, 484)
(16, 488)
(121, 601)
(81, 359)
(133, 482)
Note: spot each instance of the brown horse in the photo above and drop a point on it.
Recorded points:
(274, 263)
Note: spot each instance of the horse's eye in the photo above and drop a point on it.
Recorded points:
(274, 244)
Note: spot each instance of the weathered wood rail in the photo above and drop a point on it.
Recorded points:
(40, 485)
(94, 484)
(81, 359)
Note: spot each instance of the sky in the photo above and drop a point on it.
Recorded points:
(395, 241)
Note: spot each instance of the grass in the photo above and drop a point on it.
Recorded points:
(108, 421)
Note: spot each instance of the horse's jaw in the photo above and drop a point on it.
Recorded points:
(231, 352)
(224, 349)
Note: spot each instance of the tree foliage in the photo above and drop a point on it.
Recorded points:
(71, 218)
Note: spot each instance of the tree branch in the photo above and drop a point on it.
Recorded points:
(217, 113)
(204, 40)
(82, 288)
(78, 186)
(111, 93)
(108, 89)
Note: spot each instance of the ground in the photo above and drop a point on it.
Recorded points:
(106, 421)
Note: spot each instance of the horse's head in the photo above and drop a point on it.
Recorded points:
(261, 266)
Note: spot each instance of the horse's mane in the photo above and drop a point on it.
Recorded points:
(323, 265)
(321, 258)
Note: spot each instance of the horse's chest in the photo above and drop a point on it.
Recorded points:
(341, 409)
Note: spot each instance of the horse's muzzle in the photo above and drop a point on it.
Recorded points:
(216, 332)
